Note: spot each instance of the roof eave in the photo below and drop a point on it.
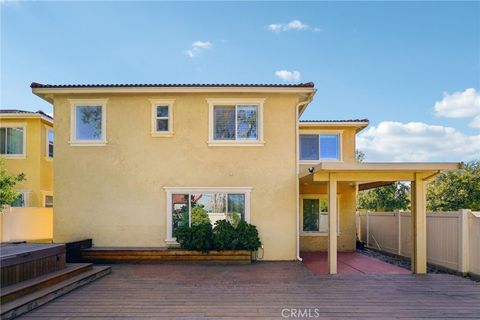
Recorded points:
(46, 91)
(26, 115)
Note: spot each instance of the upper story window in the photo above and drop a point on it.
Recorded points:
(162, 117)
(49, 150)
(88, 122)
(12, 140)
(236, 122)
(320, 147)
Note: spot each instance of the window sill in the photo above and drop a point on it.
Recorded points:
(88, 143)
(162, 134)
(236, 143)
(14, 156)
(309, 162)
(49, 159)
(171, 241)
(316, 234)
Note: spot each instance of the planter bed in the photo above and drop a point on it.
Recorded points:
(138, 254)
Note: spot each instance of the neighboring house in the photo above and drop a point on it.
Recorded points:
(134, 161)
(26, 144)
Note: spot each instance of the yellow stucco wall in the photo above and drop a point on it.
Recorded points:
(38, 170)
(114, 194)
(346, 191)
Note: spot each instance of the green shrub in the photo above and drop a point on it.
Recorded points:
(196, 237)
(224, 236)
(248, 238)
(199, 215)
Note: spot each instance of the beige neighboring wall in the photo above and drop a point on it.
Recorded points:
(114, 194)
(37, 169)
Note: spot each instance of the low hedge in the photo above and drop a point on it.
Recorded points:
(224, 236)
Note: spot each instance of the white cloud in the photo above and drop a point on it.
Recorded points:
(417, 141)
(464, 104)
(292, 25)
(289, 76)
(197, 48)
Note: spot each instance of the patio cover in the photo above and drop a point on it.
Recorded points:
(377, 173)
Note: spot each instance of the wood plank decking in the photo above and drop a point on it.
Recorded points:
(262, 290)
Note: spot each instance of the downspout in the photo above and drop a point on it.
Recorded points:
(297, 161)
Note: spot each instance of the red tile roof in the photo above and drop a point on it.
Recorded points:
(17, 111)
(169, 85)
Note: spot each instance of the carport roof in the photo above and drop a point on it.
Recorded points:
(379, 171)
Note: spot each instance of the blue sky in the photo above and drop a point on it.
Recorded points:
(412, 68)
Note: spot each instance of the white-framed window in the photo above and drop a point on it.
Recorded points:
(162, 117)
(320, 146)
(13, 140)
(88, 122)
(47, 199)
(236, 122)
(314, 215)
(49, 142)
(187, 206)
(22, 199)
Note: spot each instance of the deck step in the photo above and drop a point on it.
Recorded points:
(23, 288)
(35, 299)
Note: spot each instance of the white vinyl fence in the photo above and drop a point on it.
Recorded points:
(453, 238)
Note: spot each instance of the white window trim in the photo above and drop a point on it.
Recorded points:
(321, 132)
(47, 130)
(212, 102)
(319, 197)
(22, 125)
(26, 198)
(74, 103)
(162, 102)
(44, 196)
(174, 190)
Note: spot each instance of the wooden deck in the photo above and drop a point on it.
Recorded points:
(262, 290)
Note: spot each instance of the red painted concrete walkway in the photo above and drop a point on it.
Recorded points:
(350, 263)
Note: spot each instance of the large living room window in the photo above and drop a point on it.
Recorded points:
(190, 206)
(88, 122)
(235, 122)
(320, 147)
(12, 141)
(314, 210)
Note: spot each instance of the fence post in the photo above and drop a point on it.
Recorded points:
(359, 225)
(463, 250)
(368, 230)
(399, 228)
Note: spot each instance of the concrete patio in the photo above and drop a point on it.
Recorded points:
(263, 290)
(350, 263)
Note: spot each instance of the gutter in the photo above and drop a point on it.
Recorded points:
(297, 162)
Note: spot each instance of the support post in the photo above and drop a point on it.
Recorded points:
(463, 250)
(399, 228)
(368, 229)
(332, 224)
(419, 225)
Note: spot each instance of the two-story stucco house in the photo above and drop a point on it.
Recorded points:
(132, 160)
(26, 144)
